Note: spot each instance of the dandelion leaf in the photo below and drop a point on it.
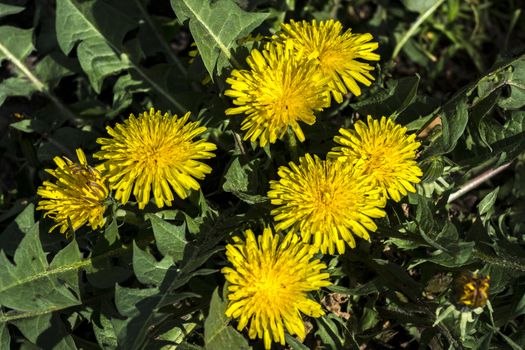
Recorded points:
(33, 285)
(218, 334)
(215, 27)
(98, 27)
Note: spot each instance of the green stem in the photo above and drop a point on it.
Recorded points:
(292, 145)
(411, 31)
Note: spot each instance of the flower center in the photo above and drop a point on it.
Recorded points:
(271, 288)
(160, 153)
(332, 200)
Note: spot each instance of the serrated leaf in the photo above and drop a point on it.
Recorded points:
(216, 26)
(170, 239)
(31, 284)
(218, 334)
(98, 28)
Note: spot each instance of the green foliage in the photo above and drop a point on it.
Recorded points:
(453, 72)
(207, 23)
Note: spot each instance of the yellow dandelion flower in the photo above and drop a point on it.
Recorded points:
(386, 153)
(77, 197)
(280, 90)
(154, 152)
(337, 55)
(269, 281)
(325, 202)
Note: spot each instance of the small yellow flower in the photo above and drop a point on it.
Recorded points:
(384, 151)
(269, 283)
(154, 152)
(326, 202)
(280, 90)
(77, 197)
(337, 55)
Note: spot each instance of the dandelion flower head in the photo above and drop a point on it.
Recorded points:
(269, 279)
(279, 90)
(155, 152)
(78, 196)
(338, 55)
(386, 153)
(326, 202)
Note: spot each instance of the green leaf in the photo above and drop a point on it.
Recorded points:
(500, 137)
(6, 9)
(147, 269)
(486, 205)
(31, 284)
(242, 181)
(16, 43)
(52, 68)
(170, 239)
(104, 332)
(30, 125)
(390, 101)
(294, 343)
(418, 5)
(98, 28)
(15, 86)
(47, 332)
(216, 26)
(105, 273)
(141, 307)
(218, 334)
(123, 92)
(516, 82)
(454, 118)
(5, 338)
(328, 332)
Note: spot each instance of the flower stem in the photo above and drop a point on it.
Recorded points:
(292, 145)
